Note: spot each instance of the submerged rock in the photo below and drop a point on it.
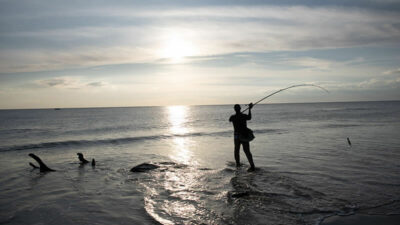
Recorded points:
(144, 167)
(238, 194)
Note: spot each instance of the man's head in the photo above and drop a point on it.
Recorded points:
(237, 108)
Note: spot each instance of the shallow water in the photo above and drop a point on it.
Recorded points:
(306, 169)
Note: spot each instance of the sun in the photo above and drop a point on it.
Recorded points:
(176, 47)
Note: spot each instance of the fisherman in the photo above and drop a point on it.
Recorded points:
(242, 135)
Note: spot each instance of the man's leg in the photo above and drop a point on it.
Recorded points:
(237, 153)
(246, 149)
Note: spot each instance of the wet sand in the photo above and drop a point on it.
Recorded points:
(363, 220)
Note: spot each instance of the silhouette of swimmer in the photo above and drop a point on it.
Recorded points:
(43, 167)
(241, 135)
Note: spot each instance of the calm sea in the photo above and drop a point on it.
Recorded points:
(307, 171)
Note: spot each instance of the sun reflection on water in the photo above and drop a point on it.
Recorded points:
(178, 117)
(177, 195)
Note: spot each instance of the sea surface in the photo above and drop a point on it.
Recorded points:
(307, 171)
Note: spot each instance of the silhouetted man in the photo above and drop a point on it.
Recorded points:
(242, 135)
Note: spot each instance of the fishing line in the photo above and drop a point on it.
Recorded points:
(276, 92)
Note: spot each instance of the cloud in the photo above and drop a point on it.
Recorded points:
(68, 83)
(392, 72)
(388, 80)
(46, 60)
(96, 84)
(115, 35)
(62, 82)
(309, 62)
(379, 83)
(385, 81)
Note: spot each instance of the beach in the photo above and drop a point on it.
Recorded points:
(307, 172)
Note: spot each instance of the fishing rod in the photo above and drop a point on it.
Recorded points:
(276, 92)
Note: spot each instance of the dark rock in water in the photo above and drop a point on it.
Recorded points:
(144, 167)
(167, 163)
(33, 165)
(81, 158)
(43, 167)
(204, 169)
(180, 166)
(239, 194)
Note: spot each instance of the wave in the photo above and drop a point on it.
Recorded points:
(121, 140)
(341, 125)
(345, 109)
(21, 131)
(107, 129)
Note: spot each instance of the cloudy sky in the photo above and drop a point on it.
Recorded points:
(140, 53)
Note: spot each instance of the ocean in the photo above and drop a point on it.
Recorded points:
(306, 169)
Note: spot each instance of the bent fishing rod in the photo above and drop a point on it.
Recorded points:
(276, 92)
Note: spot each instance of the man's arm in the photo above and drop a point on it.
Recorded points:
(249, 115)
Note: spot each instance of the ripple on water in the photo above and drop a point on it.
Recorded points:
(233, 196)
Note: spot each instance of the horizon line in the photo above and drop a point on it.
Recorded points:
(144, 106)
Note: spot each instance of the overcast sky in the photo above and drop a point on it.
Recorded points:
(141, 53)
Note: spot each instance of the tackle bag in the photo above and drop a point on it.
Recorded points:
(246, 136)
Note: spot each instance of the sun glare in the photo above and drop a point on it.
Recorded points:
(176, 48)
(177, 117)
